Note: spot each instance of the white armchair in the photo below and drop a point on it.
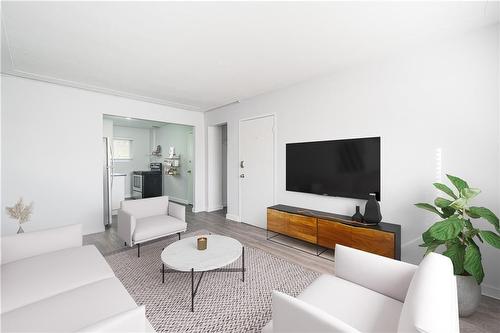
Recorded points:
(370, 293)
(143, 220)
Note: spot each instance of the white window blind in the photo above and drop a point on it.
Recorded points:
(122, 149)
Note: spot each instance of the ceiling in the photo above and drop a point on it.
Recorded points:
(201, 55)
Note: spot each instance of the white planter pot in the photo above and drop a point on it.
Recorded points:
(469, 295)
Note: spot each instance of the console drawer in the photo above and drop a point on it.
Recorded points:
(302, 227)
(331, 233)
(277, 221)
(374, 241)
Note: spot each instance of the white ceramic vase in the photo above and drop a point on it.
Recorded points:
(469, 295)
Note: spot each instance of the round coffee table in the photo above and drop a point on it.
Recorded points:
(184, 256)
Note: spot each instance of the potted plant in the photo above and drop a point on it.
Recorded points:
(458, 235)
(21, 213)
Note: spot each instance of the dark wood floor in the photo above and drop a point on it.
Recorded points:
(486, 319)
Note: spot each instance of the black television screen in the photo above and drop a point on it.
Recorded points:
(343, 168)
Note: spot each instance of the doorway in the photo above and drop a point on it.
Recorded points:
(256, 166)
(217, 167)
(144, 158)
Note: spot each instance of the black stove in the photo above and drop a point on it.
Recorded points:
(148, 184)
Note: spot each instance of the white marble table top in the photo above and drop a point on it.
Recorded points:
(184, 256)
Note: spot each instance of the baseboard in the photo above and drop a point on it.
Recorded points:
(213, 209)
(178, 200)
(196, 210)
(490, 291)
(233, 217)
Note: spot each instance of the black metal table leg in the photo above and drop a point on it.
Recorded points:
(162, 273)
(192, 289)
(243, 263)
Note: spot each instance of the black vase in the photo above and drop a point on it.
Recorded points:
(372, 210)
(357, 216)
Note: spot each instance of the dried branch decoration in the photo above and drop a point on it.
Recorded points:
(20, 211)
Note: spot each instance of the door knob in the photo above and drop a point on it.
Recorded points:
(242, 175)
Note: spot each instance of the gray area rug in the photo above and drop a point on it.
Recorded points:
(223, 304)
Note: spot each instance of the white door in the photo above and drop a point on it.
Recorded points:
(189, 168)
(256, 169)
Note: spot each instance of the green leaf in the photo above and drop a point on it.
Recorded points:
(469, 193)
(459, 203)
(430, 208)
(471, 214)
(445, 189)
(458, 183)
(456, 252)
(448, 211)
(468, 224)
(472, 262)
(491, 238)
(447, 229)
(486, 214)
(427, 238)
(442, 202)
(431, 247)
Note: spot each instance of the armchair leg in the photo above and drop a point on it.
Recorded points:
(125, 243)
(139, 250)
(179, 234)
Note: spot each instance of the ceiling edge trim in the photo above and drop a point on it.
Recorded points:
(7, 46)
(106, 91)
(213, 108)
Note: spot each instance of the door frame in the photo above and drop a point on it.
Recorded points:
(193, 147)
(273, 115)
(207, 175)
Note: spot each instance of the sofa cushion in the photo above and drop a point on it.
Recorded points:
(30, 244)
(129, 321)
(291, 314)
(380, 274)
(72, 310)
(32, 279)
(155, 226)
(146, 207)
(431, 301)
(359, 307)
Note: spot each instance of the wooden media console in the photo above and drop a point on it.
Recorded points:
(327, 230)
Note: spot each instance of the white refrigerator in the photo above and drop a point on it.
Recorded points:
(107, 181)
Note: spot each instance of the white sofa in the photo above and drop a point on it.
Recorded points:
(370, 293)
(143, 220)
(51, 283)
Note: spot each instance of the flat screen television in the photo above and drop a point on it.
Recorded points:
(342, 168)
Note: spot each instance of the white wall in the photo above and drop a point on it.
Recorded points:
(141, 151)
(439, 96)
(52, 150)
(214, 168)
(107, 128)
(171, 135)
